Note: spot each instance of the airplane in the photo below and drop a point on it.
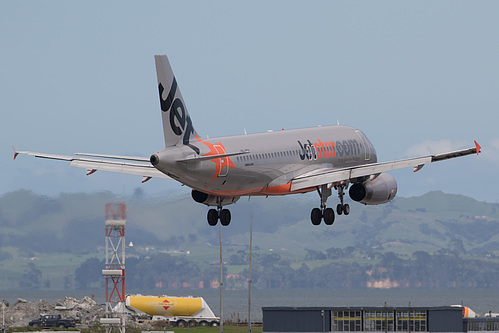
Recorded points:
(221, 170)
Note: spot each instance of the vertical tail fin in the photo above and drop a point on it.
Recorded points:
(177, 124)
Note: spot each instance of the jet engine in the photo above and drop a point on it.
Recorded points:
(374, 192)
(210, 199)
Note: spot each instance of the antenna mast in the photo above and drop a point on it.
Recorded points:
(114, 271)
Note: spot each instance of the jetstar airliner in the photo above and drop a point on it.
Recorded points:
(221, 170)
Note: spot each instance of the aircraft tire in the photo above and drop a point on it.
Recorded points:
(212, 217)
(316, 216)
(225, 217)
(339, 209)
(328, 216)
(346, 209)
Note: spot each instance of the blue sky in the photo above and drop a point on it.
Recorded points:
(415, 76)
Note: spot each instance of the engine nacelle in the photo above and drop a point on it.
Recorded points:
(210, 199)
(374, 192)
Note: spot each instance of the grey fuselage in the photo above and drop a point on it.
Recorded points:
(263, 163)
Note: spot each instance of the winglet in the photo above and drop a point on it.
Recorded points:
(478, 148)
(15, 152)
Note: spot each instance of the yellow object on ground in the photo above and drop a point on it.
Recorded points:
(166, 306)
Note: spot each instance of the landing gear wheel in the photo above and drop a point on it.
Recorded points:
(339, 209)
(346, 209)
(342, 208)
(328, 216)
(212, 217)
(316, 216)
(225, 217)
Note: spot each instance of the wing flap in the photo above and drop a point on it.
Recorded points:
(116, 157)
(43, 155)
(457, 153)
(131, 169)
(332, 176)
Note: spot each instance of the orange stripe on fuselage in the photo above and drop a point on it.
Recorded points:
(277, 190)
(272, 190)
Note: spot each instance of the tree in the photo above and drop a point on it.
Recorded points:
(32, 278)
(456, 245)
(90, 271)
(314, 255)
(334, 253)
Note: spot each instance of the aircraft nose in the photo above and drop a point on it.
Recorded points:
(154, 159)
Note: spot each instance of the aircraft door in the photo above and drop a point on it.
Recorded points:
(367, 146)
(224, 163)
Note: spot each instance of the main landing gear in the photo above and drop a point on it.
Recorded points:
(219, 214)
(327, 214)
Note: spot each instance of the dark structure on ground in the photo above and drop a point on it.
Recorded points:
(373, 319)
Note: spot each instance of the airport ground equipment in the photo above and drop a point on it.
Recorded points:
(180, 311)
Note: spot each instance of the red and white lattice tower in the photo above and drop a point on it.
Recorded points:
(114, 271)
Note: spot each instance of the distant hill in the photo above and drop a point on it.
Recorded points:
(75, 222)
(58, 233)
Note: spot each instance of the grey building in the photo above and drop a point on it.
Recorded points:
(373, 319)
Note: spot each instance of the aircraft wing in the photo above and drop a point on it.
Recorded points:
(332, 176)
(212, 157)
(139, 166)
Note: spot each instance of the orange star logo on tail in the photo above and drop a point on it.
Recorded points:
(220, 162)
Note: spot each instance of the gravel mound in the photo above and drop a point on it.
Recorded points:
(86, 311)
